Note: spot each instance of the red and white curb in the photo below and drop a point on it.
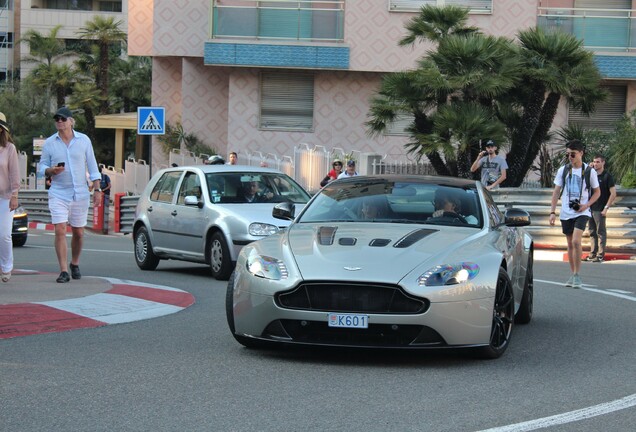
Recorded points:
(46, 226)
(126, 301)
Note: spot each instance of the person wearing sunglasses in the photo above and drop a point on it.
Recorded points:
(334, 173)
(66, 155)
(577, 185)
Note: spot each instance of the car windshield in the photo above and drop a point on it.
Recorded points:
(254, 187)
(380, 201)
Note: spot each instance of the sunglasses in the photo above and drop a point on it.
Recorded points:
(60, 118)
(573, 154)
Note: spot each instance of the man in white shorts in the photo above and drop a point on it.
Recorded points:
(66, 156)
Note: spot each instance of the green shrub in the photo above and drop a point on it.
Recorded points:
(629, 180)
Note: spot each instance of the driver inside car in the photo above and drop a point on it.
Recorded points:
(447, 205)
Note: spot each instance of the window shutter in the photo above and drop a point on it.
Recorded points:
(606, 114)
(605, 4)
(287, 101)
(416, 5)
(399, 125)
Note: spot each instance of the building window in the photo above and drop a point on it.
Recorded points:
(476, 6)
(606, 113)
(6, 40)
(70, 4)
(287, 101)
(110, 6)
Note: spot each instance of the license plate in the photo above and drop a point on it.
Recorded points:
(348, 320)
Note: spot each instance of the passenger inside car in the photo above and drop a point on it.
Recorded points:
(374, 207)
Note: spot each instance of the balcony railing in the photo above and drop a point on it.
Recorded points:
(314, 21)
(608, 30)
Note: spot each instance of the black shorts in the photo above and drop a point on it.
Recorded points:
(568, 225)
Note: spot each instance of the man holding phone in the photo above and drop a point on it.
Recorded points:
(493, 167)
(66, 155)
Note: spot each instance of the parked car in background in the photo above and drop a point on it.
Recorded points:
(207, 213)
(388, 261)
(20, 227)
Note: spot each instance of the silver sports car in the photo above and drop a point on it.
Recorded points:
(391, 262)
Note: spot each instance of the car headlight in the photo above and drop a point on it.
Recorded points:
(19, 212)
(266, 267)
(262, 229)
(449, 274)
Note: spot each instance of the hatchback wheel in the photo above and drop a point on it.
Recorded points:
(220, 260)
(502, 319)
(144, 256)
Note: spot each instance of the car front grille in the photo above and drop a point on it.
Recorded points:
(377, 335)
(352, 297)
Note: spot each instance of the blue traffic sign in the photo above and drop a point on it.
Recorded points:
(151, 120)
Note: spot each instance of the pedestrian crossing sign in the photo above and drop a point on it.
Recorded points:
(151, 120)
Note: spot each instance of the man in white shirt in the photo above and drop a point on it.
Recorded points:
(572, 183)
(66, 156)
(350, 171)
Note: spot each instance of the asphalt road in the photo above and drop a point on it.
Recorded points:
(572, 368)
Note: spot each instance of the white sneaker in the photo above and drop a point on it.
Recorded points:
(6, 277)
(576, 282)
(570, 281)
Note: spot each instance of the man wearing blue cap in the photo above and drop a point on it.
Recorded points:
(66, 156)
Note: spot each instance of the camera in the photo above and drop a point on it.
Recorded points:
(575, 204)
(61, 164)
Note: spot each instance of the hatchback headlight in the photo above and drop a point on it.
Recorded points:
(449, 274)
(266, 267)
(262, 229)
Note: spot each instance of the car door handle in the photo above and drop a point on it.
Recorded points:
(174, 213)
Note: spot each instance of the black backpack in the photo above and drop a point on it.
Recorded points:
(586, 177)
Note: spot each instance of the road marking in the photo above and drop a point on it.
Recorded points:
(569, 417)
(613, 294)
(620, 291)
(85, 249)
(559, 283)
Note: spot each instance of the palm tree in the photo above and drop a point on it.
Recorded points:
(45, 49)
(556, 66)
(452, 93)
(105, 32)
(57, 78)
(87, 97)
(131, 82)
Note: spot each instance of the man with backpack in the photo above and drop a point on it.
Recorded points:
(577, 185)
(598, 231)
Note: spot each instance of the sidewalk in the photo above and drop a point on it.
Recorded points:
(33, 303)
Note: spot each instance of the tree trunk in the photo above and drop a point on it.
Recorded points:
(522, 137)
(543, 127)
(438, 163)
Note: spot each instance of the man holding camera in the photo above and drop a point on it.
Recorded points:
(493, 167)
(577, 186)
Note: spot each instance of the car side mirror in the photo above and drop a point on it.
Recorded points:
(191, 200)
(516, 217)
(284, 211)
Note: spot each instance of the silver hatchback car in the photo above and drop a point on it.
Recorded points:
(207, 213)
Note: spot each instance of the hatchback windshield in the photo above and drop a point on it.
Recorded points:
(254, 187)
(378, 200)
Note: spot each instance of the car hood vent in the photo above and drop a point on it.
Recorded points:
(326, 235)
(379, 242)
(413, 237)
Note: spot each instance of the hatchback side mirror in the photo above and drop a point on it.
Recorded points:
(284, 211)
(516, 217)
